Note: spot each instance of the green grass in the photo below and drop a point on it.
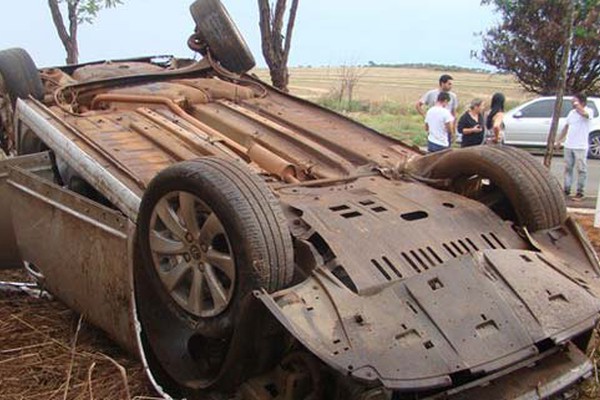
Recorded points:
(391, 118)
(408, 128)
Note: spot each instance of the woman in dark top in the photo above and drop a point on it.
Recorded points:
(494, 122)
(470, 124)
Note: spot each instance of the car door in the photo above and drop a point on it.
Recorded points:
(530, 124)
(39, 164)
(81, 247)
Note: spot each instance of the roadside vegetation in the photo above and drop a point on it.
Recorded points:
(395, 119)
(383, 98)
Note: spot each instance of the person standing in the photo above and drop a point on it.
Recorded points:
(494, 121)
(576, 130)
(438, 124)
(470, 124)
(430, 98)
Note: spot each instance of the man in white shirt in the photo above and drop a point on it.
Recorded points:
(430, 98)
(576, 130)
(438, 124)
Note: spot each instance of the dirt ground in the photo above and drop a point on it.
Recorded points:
(49, 352)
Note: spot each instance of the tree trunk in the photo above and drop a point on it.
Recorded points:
(561, 84)
(275, 49)
(68, 39)
(280, 77)
(73, 51)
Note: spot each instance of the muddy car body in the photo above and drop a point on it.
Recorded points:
(241, 241)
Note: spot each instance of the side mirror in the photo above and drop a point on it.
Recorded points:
(518, 114)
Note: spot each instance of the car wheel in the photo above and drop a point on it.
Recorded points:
(30, 143)
(19, 78)
(215, 28)
(210, 232)
(510, 181)
(20, 75)
(594, 142)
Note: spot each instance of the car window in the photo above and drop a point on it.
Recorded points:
(592, 105)
(566, 108)
(539, 109)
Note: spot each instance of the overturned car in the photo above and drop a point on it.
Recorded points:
(246, 243)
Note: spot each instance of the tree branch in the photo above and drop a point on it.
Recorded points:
(278, 26)
(290, 29)
(59, 22)
(275, 50)
(265, 28)
(73, 20)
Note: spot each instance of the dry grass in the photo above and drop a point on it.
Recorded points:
(48, 352)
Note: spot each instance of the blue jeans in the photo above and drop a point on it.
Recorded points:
(575, 158)
(433, 147)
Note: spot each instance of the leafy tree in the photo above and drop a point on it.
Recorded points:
(530, 41)
(78, 12)
(276, 44)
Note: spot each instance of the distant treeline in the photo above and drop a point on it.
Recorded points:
(435, 67)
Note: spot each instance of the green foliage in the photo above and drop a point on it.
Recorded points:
(434, 67)
(87, 10)
(408, 128)
(333, 103)
(529, 42)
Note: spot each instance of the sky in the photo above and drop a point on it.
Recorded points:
(327, 33)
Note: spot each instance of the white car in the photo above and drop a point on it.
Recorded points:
(529, 123)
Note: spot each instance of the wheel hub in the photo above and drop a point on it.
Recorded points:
(192, 254)
(196, 252)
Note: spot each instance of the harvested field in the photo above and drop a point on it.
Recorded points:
(48, 352)
(401, 85)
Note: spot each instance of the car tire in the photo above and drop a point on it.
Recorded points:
(218, 31)
(594, 142)
(528, 192)
(29, 143)
(20, 75)
(231, 238)
(19, 78)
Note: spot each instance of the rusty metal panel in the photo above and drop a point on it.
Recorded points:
(39, 164)
(494, 325)
(542, 379)
(406, 228)
(81, 248)
(121, 190)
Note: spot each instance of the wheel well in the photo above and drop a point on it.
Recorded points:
(592, 152)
